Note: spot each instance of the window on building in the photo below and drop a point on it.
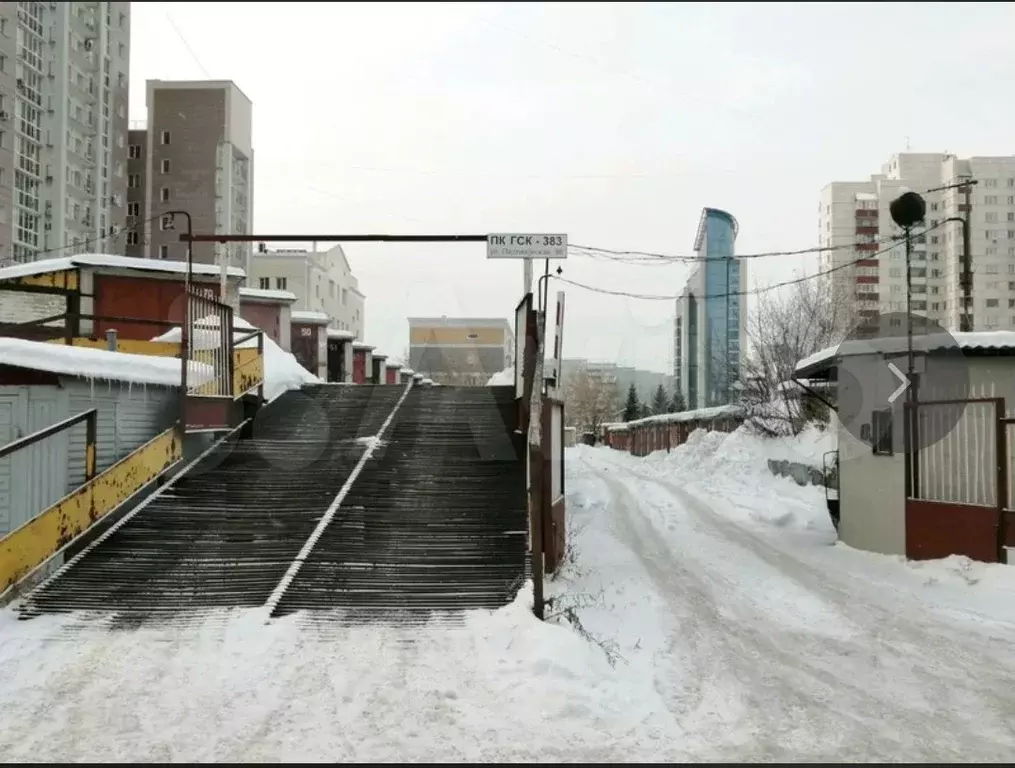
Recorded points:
(165, 166)
(280, 283)
(991, 303)
(134, 180)
(264, 283)
(134, 152)
(164, 193)
(165, 137)
(133, 209)
(881, 432)
(989, 183)
(163, 251)
(990, 200)
(166, 222)
(133, 238)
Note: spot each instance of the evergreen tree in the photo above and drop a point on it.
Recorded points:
(646, 410)
(660, 402)
(632, 408)
(677, 404)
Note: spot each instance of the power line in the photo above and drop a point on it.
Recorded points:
(755, 292)
(186, 45)
(661, 259)
(79, 245)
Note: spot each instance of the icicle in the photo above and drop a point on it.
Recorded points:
(91, 387)
(130, 389)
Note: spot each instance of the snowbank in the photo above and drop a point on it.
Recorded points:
(733, 466)
(99, 363)
(281, 370)
(505, 378)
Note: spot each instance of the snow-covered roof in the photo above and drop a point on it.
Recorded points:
(866, 196)
(428, 382)
(93, 363)
(394, 367)
(379, 356)
(267, 294)
(337, 333)
(1002, 341)
(309, 316)
(111, 261)
(408, 371)
(363, 346)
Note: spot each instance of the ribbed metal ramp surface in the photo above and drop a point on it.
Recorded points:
(435, 522)
(224, 535)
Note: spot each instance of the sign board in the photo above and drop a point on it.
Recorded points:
(520, 246)
(558, 345)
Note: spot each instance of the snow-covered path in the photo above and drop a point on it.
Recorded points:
(737, 631)
(779, 647)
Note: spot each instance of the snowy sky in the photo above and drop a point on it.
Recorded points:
(614, 123)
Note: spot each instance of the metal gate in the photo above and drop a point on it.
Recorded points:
(207, 351)
(957, 487)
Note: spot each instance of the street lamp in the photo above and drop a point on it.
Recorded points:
(907, 210)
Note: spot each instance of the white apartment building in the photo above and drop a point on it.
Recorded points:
(854, 220)
(63, 126)
(321, 280)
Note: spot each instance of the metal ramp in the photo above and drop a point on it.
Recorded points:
(224, 534)
(437, 522)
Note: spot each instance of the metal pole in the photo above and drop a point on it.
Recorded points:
(527, 277)
(726, 340)
(909, 311)
(966, 322)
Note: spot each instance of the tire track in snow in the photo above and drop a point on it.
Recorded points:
(843, 693)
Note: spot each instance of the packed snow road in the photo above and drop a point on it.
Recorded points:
(715, 622)
(776, 646)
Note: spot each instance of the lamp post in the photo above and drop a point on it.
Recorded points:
(907, 210)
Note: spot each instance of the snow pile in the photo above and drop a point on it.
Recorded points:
(733, 468)
(502, 687)
(282, 372)
(505, 378)
(102, 364)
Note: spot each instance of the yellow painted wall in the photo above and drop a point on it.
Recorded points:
(66, 279)
(26, 548)
(129, 346)
(454, 335)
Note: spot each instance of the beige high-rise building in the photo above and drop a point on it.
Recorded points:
(868, 253)
(194, 154)
(63, 127)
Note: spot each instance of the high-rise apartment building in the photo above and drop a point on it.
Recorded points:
(868, 254)
(63, 127)
(194, 154)
(710, 316)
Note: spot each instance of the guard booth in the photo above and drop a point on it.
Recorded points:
(378, 366)
(405, 375)
(391, 374)
(340, 355)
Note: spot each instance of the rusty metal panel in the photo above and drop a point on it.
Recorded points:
(128, 346)
(65, 279)
(32, 544)
(248, 370)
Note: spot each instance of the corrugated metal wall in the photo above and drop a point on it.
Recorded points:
(39, 476)
(129, 416)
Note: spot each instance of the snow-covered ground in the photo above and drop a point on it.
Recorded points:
(720, 622)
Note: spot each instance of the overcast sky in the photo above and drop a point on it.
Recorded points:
(612, 123)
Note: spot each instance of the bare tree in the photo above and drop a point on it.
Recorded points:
(783, 329)
(591, 399)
